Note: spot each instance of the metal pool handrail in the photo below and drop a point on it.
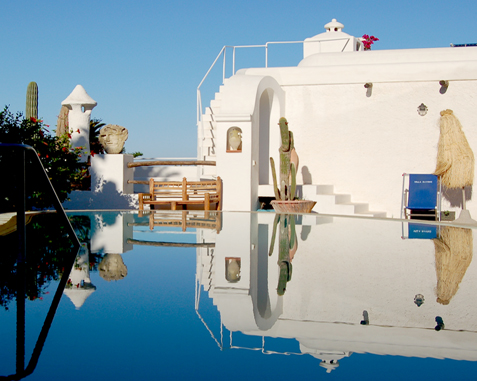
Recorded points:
(21, 150)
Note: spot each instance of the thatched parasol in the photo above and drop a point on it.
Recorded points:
(455, 159)
(454, 249)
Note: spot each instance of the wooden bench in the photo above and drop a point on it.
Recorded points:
(183, 193)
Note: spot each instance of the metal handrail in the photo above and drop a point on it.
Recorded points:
(21, 204)
(20, 151)
(223, 52)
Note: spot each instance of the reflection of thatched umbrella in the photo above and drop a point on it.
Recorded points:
(454, 249)
(455, 159)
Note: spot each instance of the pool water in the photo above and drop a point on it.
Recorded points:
(190, 295)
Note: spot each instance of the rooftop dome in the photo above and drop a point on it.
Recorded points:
(332, 41)
(334, 26)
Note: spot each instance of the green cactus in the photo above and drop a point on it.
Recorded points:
(32, 101)
(286, 189)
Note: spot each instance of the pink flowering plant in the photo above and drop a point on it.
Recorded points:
(368, 41)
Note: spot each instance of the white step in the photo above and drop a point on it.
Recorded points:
(208, 142)
(208, 118)
(208, 133)
(328, 202)
(215, 105)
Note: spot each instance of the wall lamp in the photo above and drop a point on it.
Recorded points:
(422, 109)
(368, 85)
(444, 83)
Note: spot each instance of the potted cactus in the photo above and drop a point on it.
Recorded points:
(285, 198)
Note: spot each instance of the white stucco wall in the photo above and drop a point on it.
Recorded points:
(362, 140)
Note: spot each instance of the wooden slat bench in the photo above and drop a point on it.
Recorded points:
(182, 193)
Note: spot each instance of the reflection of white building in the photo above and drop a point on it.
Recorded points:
(345, 271)
(110, 232)
(79, 286)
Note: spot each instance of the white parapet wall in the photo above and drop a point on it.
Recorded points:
(163, 172)
(109, 185)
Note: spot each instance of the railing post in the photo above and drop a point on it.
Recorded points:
(223, 67)
(233, 62)
(21, 258)
(266, 55)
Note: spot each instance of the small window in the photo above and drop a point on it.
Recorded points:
(234, 139)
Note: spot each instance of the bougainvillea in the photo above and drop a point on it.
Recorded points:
(368, 41)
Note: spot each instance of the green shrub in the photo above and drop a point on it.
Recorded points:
(59, 160)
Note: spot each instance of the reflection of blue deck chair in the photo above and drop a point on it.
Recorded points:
(421, 200)
(419, 231)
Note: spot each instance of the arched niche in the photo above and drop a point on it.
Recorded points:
(234, 139)
(269, 114)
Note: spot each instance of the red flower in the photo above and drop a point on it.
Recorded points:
(78, 131)
(33, 119)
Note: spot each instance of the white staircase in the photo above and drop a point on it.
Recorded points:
(209, 126)
(328, 202)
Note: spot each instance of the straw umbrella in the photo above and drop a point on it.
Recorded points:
(455, 159)
(453, 250)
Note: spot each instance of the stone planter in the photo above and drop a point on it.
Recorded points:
(295, 206)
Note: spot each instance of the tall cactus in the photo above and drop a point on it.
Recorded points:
(285, 191)
(32, 101)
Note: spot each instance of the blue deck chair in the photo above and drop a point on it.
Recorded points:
(422, 198)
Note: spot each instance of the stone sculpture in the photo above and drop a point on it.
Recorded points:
(112, 138)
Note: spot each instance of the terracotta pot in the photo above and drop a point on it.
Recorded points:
(295, 206)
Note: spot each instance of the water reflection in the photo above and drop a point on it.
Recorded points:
(355, 285)
(454, 248)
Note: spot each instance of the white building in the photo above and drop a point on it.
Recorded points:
(354, 114)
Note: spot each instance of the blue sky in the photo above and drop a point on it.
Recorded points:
(142, 60)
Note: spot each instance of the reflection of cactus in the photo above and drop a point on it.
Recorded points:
(32, 101)
(287, 248)
(288, 165)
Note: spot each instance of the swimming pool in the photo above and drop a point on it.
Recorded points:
(207, 296)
